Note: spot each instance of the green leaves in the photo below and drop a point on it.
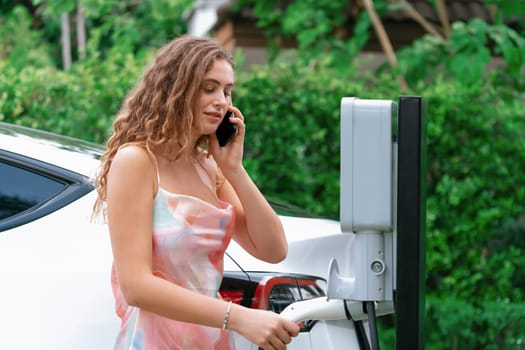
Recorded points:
(510, 45)
(292, 115)
(318, 27)
(55, 8)
(460, 324)
(81, 102)
(507, 9)
(20, 45)
(466, 56)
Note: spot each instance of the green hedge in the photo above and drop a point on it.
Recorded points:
(81, 102)
(456, 324)
(476, 152)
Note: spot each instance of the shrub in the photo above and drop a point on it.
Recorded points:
(81, 102)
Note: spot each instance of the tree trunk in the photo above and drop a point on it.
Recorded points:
(81, 32)
(66, 41)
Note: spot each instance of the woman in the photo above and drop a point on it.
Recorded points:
(174, 198)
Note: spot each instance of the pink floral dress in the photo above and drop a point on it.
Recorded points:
(190, 237)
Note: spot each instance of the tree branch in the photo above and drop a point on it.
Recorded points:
(443, 17)
(384, 40)
(416, 16)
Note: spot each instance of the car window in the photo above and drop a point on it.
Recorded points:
(31, 189)
(21, 189)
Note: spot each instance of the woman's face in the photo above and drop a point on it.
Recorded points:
(214, 97)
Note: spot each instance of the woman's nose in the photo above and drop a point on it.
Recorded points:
(221, 99)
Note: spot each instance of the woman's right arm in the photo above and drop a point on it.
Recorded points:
(131, 188)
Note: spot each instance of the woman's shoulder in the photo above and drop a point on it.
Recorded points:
(133, 157)
(133, 166)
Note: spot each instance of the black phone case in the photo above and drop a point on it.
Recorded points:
(226, 130)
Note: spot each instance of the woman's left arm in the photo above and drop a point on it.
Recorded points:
(258, 229)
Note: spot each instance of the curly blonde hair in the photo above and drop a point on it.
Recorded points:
(158, 112)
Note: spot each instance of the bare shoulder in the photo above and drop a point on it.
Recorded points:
(133, 154)
(133, 164)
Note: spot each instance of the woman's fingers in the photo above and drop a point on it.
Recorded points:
(237, 113)
(268, 330)
(292, 328)
(283, 335)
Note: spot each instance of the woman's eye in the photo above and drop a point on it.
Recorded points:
(210, 89)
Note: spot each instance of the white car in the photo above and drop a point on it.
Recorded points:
(55, 262)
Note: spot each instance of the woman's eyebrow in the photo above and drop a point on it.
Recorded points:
(211, 80)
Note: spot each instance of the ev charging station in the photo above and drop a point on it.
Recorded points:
(382, 202)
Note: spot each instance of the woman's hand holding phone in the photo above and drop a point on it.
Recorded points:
(226, 144)
(226, 130)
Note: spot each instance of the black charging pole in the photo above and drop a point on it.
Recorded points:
(411, 224)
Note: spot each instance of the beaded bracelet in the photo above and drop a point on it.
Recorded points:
(227, 316)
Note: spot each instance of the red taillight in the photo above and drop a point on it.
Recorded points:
(232, 295)
(261, 299)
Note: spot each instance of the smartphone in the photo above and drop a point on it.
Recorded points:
(226, 130)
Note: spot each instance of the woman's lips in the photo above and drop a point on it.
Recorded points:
(214, 116)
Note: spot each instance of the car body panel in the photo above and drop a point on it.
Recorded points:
(310, 255)
(55, 291)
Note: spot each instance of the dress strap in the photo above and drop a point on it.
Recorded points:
(156, 164)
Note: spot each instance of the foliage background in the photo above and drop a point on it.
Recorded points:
(476, 138)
